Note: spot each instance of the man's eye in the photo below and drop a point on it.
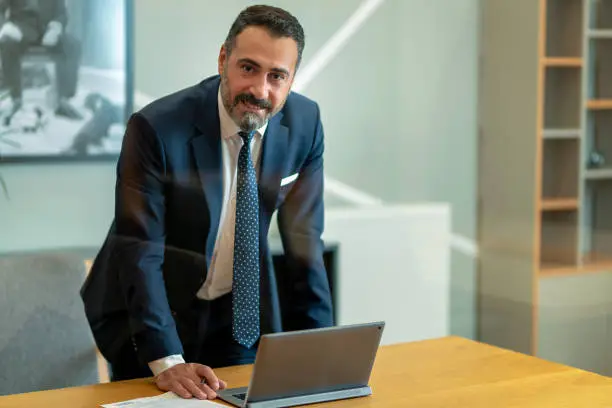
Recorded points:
(247, 68)
(278, 77)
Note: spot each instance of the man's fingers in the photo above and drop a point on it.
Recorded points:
(222, 385)
(179, 390)
(191, 380)
(193, 389)
(209, 391)
(208, 375)
(200, 383)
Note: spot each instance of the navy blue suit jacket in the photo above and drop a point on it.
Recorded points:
(143, 282)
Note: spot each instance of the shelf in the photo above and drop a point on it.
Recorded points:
(600, 104)
(552, 134)
(598, 174)
(552, 270)
(597, 261)
(563, 62)
(564, 28)
(590, 264)
(600, 34)
(559, 204)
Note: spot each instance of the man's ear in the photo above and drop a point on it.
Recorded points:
(222, 59)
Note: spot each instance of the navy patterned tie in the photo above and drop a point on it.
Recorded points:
(245, 282)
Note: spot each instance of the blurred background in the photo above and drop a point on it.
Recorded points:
(467, 190)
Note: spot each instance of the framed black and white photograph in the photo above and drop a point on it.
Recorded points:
(66, 86)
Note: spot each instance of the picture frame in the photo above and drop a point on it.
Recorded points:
(76, 95)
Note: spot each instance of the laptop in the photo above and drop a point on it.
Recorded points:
(310, 366)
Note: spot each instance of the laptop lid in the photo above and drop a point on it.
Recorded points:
(314, 361)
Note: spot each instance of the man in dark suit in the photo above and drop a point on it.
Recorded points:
(185, 273)
(39, 22)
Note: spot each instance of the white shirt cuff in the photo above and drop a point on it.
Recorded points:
(158, 366)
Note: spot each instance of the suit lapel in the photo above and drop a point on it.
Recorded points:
(275, 146)
(207, 154)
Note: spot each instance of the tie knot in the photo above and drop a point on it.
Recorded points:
(247, 136)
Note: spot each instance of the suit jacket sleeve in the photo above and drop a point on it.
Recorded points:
(300, 221)
(139, 215)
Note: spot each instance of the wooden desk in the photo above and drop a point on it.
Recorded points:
(448, 372)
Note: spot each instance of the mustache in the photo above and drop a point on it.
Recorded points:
(251, 99)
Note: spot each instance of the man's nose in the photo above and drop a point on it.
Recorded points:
(259, 87)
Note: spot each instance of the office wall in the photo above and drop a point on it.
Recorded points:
(399, 110)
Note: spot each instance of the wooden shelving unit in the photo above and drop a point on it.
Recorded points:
(563, 62)
(556, 270)
(598, 174)
(600, 104)
(561, 133)
(545, 171)
(596, 241)
(559, 204)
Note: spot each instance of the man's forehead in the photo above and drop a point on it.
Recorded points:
(257, 44)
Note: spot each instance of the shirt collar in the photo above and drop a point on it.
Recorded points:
(228, 126)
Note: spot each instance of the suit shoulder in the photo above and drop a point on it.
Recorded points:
(302, 111)
(177, 110)
(170, 107)
(302, 103)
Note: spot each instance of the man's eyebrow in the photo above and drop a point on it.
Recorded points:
(249, 61)
(278, 70)
(281, 71)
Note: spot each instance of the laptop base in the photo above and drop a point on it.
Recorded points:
(228, 396)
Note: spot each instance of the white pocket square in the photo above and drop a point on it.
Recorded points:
(289, 179)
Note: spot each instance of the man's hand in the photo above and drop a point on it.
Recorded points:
(52, 35)
(10, 31)
(190, 380)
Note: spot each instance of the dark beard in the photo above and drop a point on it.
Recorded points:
(249, 121)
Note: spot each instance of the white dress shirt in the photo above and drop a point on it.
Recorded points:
(219, 278)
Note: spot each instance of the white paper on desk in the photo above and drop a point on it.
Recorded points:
(167, 400)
